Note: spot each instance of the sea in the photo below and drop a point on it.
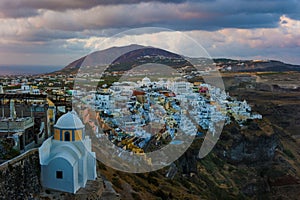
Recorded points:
(26, 69)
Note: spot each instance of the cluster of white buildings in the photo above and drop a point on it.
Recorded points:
(25, 89)
(132, 106)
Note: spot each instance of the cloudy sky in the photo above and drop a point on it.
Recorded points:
(56, 32)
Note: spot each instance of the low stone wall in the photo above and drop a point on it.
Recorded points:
(20, 177)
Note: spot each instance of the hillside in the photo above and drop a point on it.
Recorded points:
(147, 55)
(140, 55)
(257, 161)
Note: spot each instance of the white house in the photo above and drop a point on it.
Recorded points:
(103, 100)
(146, 81)
(180, 87)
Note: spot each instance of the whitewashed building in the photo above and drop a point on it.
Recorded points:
(102, 101)
(67, 161)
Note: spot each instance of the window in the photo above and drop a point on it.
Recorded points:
(59, 174)
(67, 136)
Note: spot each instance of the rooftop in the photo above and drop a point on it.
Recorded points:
(70, 120)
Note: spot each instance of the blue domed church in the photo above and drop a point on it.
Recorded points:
(66, 159)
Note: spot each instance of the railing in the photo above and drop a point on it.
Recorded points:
(9, 124)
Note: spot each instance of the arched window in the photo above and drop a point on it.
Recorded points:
(67, 136)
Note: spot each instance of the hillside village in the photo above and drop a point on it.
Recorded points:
(126, 108)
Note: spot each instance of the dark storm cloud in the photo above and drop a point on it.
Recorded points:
(81, 15)
(57, 19)
(25, 8)
(187, 16)
(62, 19)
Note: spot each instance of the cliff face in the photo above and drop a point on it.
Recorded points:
(253, 144)
(236, 166)
(252, 151)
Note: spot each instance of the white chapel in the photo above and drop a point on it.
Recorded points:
(66, 159)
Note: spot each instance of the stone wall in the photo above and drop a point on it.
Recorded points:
(20, 177)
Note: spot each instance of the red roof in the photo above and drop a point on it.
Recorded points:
(138, 92)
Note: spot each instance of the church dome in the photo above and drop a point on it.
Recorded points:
(70, 120)
(146, 80)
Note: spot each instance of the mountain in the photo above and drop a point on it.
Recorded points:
(122, 58)
(126, 57)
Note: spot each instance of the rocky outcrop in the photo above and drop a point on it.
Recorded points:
(254, 150)
(187, 163)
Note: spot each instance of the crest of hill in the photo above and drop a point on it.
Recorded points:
(148, 55)
(117, 56)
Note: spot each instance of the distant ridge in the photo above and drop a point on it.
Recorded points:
(257, 65)
(116, 55)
